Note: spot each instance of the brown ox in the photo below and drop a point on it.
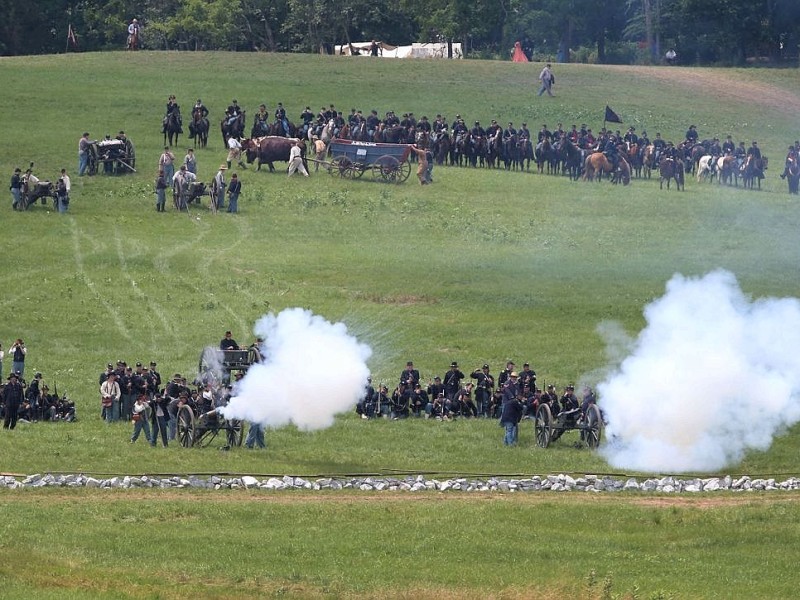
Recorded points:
(598, 163)
(269, 149)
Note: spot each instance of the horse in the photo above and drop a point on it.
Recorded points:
(649, 160)
(511, 158)
(133, 40)
(571, 155)
(634, 158)
(277, 129)
(545, 155)
(726, 170)
(752, 171)
(172, 126)
(326, 135)
(459, 150)
(232, 128)
(198, 128)
(597, 162)
(793, 174)
(706, 168)
(494, 149)
(669, 169)
(525, 153)
(441, 147)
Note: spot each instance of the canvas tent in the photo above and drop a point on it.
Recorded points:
(433, 50)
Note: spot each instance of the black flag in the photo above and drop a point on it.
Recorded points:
(611, 116)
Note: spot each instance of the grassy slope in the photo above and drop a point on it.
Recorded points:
(480, 267)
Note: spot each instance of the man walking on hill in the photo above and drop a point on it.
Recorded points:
(547, 79)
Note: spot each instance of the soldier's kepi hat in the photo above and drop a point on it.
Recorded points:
(14, 375)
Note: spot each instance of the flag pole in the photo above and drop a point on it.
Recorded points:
(66, 47)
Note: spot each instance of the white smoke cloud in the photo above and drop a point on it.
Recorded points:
(312, 370)
(712, 375)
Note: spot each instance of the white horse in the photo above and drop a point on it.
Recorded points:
(706, 167)
(327, 131)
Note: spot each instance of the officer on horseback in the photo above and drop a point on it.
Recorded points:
(280, 118)
(610, 151)
(201, 108)
(172, 107)
(261, 122)
(233, 111)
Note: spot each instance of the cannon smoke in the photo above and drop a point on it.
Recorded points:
(712, 375)
(312, 370)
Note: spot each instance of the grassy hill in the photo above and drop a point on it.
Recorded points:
(482, 266)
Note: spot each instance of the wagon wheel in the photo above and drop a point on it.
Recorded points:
(341, 166)
(543, 426)
(387, 169)
(404, 171)
(186, 426)
(233, 434)
(594, 427)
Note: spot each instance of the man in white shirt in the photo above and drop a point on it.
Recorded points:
(235, 152)
(296, 159)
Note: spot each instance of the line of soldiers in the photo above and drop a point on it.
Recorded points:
(450, 396)
(33, 402)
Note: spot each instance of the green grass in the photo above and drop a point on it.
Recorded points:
(480, 267)
(229, 545)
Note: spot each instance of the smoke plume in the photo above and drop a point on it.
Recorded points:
(712, 375)
(312, 370)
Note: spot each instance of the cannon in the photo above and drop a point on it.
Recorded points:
(548, 429)
(199, 423)
(116, 155)
(34, 189)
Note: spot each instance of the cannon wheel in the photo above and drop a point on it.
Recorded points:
(341, 166)
(386, 168)
(233, 434)
(594, 427)
(186, 426)
(543, 426)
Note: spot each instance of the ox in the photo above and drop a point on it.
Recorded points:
(269, 149)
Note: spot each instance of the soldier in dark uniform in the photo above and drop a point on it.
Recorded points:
(424, 125)
(435, 387)
(544, 134)
(477, 130)
(12, 400)
(691, 134)
(280, 119)
(419, 400)
(372, 123)
(509, 131)
(172, 106)
(483, 391)
(307, 117)
(643, 139)
(728, 147)
(630, 136)
(610, 150)
(505, 374)
(754, 150)
(366, 406)
(527, 377)
(410, 375)
(452, 381)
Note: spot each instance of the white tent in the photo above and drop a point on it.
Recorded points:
(433, 50)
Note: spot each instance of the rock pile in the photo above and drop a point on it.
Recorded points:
(418, 483)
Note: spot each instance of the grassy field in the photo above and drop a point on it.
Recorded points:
(481, 267)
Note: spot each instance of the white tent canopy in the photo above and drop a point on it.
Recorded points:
(433, 50)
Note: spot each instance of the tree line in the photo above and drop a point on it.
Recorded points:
(722, 32)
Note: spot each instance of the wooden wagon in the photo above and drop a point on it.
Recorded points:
(389, 163)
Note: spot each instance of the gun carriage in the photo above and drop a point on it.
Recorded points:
(548, 428)
(199, 424)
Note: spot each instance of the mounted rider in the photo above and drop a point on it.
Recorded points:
(307, 117)
(610, 151)
(172, 107)
(133, 34)
(232, 112)
(280, 119)
(200, 108)
(261, 122)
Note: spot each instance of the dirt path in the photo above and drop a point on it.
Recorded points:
(716, 83)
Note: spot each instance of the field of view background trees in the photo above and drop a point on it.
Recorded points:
(720, 32)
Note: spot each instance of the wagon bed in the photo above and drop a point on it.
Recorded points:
(388, 162)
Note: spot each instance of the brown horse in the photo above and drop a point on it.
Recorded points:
(670, 169)
(597, 163)
(752, 171)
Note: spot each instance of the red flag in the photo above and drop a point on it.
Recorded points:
(71, 37)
